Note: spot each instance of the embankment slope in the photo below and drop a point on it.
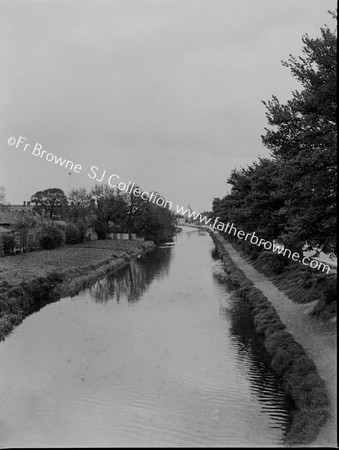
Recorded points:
(31, 280)
(318, 339)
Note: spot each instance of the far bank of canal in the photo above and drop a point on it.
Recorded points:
(156, 354)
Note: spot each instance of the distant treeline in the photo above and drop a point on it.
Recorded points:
(291, 197)
(108, 210)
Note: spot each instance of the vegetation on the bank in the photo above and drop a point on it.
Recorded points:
(99, 213)
(295, 369)
(301, 283)
(108, 210)
(63, 272)
(26, 266)
(291, 197)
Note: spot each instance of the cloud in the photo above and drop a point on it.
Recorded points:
(158, 90)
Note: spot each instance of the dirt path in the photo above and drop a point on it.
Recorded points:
(318, 340)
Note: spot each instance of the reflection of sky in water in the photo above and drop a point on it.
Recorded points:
(182, 367)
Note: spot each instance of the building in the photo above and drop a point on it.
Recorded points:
(24, 238)
(26, 207)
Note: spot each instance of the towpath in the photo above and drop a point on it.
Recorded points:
(318, 339)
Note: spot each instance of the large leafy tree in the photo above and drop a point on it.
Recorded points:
(53, 201)
(120, 212)
(159, 223)
(255, 200)
(302, 138)
(110, 208)
(264, 200)
(136, 213)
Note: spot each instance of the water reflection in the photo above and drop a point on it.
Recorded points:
(132, 281)
(215, 253)
(175, 370)
(253, 357)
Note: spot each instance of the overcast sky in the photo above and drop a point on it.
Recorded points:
(165, 93)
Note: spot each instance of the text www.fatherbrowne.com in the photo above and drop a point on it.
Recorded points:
(253, 238)
(130, 188)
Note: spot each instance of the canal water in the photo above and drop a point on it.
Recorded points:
(157, 354)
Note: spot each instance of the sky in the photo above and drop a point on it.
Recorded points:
(166, 94)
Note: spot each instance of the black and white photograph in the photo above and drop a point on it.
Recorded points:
(168, 224)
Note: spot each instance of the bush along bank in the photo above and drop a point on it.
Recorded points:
(300, 283)
(296, 371)
(17, 302)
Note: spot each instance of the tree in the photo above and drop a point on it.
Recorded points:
(265, 200)
(80, 204)
(255, 201)
(159, 223)
(53, 201)
(302, 139)
(52, 237)
(136, 211)
(22, 221)
(110, 208)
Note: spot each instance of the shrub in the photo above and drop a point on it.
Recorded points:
(8, 244)
(275, 262)
(306, 277)
(255, 252)
(330, 291)
(5, 327)
(282, 361)
(82, 227)
(303, 365)
(60, 224)
(10, 305)
(72, 234)
(55, 278)
(52, 237)
(100, 229)
(24, 221)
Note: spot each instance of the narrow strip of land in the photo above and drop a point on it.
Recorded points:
(15, 269)
(31, 280)
(318, 339)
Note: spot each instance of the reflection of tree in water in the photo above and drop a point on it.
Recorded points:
(253, 356)
(214, 253)
(130, 282)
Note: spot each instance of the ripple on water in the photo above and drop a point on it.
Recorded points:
(181, 368)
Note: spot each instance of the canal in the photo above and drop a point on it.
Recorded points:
(157, 354)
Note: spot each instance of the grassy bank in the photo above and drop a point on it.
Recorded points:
(300, 283)
(296, 371)
(31, 280)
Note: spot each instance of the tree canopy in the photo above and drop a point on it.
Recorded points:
(292, 197)
(53, 201)
(108, 210)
